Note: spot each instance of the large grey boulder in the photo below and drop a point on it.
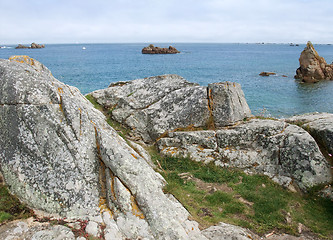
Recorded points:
(319, 125)
(227, 103)
(284, 152)
(58, 154)
(153, 106)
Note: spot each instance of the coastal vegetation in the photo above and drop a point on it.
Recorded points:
(11, 208)
(213, 194)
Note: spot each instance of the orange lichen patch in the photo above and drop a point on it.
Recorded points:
(210, 122)
(60, 90)
(112, 186)
(102, 179)
(201, 148)
(134, 156)
(23, 59)
(135, 209)
(104, 207)
(172, 150)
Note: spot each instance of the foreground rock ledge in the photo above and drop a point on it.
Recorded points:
(59, 155)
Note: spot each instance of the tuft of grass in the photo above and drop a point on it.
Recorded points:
(122, 131)
(254, 201)
(94, 102)
(10, 207)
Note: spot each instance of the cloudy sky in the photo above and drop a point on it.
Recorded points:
(129, 21)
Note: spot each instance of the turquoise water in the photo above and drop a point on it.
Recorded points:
(277, 96)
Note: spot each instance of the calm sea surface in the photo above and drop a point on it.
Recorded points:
(100, 64)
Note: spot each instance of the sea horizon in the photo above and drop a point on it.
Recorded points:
(98, 65)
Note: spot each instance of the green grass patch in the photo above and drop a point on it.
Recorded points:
(122, 131)
(254, 201)
(94, 102)
(10, 207)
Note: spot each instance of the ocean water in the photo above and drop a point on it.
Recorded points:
(277, 96)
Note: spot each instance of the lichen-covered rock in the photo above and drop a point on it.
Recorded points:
(313, 68)
(28, 229)
(319, 125)
(227, 103)
(59, 155)
(152, 106)
(228, 232)
(284, 152)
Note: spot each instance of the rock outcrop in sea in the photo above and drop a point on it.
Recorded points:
(60, 156)
(32, 46)
(313, 67)
(151, 49)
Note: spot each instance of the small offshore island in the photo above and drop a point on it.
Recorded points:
(151, 49)
(158, 158)
(32, 46)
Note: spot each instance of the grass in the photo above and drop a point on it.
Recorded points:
(94, 102)
(253, 201)
(11, 208)
(122, 131)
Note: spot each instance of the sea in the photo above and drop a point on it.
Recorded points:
(91, 67)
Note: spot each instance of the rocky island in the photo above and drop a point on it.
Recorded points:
(313, 67)
(151, 49)
(83, 178)
(32, 46)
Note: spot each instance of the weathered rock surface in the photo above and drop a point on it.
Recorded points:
(313, 68)
(32, 46)
(151, 49)
(227, 103)
(29, 229)
(228, 232)
(59, 155)
(319, 125)
(155, 105)
(284, 152)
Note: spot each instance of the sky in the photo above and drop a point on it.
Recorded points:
(168, 21)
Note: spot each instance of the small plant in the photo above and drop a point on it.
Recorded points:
(10, 207)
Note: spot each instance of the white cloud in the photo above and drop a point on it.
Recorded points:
(50, 21)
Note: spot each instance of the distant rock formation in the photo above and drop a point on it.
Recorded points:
(266, 74)
(151, 49)
(313, 68)
(32, 46)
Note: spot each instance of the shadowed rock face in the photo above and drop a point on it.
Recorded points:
(59, 155)
(155, 105)
(313, 68)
